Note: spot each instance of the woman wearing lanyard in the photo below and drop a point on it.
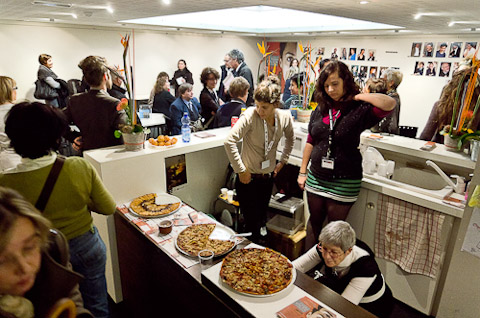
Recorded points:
(334, 177)
(260, 129)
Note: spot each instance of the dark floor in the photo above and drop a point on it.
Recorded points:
(400, 310)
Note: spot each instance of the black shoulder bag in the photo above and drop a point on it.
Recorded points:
(44, 91)
(50, 183)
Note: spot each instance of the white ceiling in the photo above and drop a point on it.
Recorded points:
(394, 12)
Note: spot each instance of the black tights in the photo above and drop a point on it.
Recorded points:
(320, 208)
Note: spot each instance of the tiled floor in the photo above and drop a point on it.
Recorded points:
(399, 311)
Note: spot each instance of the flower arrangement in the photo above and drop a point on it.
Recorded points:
(267, 69)
(131, 126)
(310, 77)
(462, 127)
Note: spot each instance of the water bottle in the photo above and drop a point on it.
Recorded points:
(186, 127)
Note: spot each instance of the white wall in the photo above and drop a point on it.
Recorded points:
(160, 51)
(417, 93)
(153, 52)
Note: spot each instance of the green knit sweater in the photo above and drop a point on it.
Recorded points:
(78, 191)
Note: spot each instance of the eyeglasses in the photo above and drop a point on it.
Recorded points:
(14, 88)
(333, 254)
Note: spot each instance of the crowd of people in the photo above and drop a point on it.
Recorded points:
(41, 190)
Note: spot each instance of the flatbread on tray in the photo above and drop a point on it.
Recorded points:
(196, 238)
(145, 206)
(256, 271)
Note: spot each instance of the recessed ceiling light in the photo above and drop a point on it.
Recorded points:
(167, 2)
(52, 4)
(363, 2)
(73, 15)
(463, 22)
(299, 21)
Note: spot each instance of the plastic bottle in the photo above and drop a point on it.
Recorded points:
(186, 127)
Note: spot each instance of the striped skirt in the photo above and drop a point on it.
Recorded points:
(343, 190)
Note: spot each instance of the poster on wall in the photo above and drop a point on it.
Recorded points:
(416, 49)
(372, 72)
(334, 54)
(381, 71)
(419, 68)
(455, 67)
(470, 48)
(455, 49)
(371, 54)
(343, 53)
(361, 55)
(431, 68)
(428, 49)
(444, 69)
(354, 69)
(283, 56)
(176, 172)
(441, 49)
(352, 56)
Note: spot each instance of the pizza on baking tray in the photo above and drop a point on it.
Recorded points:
(145, 206)
(256, 271)
(196, 238)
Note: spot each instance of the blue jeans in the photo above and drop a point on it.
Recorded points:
(88, 257)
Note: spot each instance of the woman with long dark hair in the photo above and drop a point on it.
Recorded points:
(334, 177)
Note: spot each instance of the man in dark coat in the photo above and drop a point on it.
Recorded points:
(240, 68)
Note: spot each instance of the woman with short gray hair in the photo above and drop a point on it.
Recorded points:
(390, 124)
(348, 267)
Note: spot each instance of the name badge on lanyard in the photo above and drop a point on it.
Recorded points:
(269, 145)
(328, 162)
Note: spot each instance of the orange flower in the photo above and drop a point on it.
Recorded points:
(123, 104)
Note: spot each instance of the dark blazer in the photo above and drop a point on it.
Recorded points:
(226, 111)
(221, 89)
(95, 114)
(186, 74)
(179, 107)
(161, 104)
(117, 92)
(245, 72)
(210, 103)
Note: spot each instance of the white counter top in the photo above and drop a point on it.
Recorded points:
(196, 144)
(411, 146)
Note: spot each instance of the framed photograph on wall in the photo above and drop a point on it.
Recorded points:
(431, 68)
(455, 67)
(428, 49)
(469, 50)
(361, 55)
(354, 69)
(372, 72)
(416, 49)
(441, 49)
(381, 71)
(362, 73)
(444, 70)
(321, 51)
(419, 68)
(455, 49)
(352, 56)
(334, 54)
(371, 54)
(343, 53)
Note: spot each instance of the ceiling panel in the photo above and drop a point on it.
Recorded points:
(395, 12)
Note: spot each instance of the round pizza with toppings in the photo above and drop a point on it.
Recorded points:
(145, 206)
(256, 271)
(196, 238)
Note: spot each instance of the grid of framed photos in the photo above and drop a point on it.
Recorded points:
(438, 57)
